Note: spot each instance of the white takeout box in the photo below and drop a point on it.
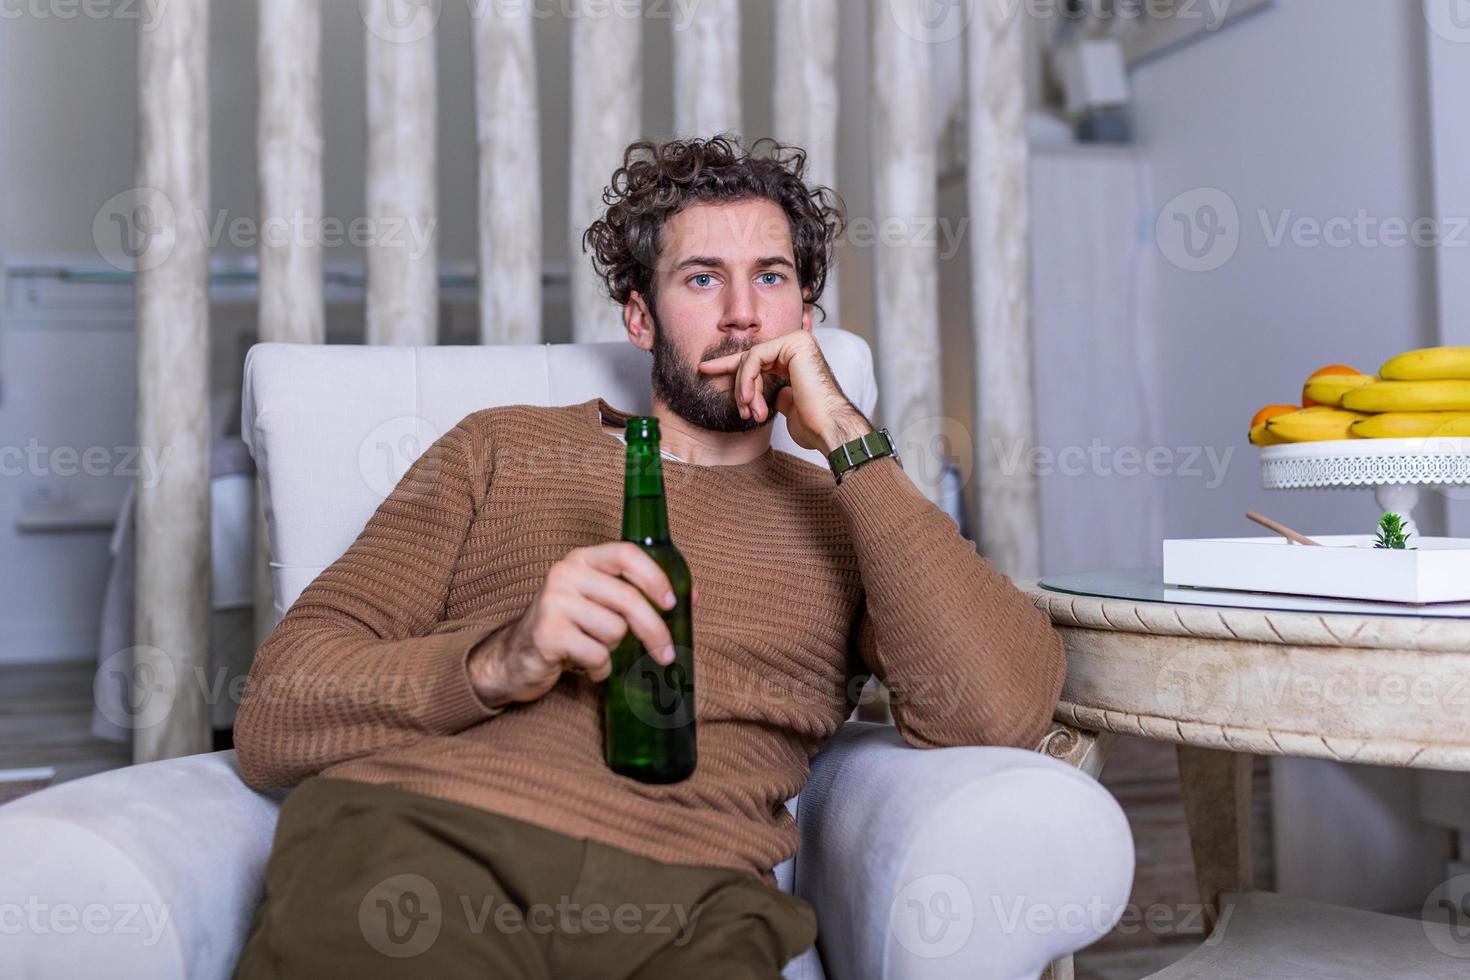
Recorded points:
(1347, 566)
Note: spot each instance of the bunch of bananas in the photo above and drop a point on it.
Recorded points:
(1420, 393)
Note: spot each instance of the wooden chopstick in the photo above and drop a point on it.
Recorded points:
(1281, 529)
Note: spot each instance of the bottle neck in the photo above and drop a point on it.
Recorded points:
(645, 516)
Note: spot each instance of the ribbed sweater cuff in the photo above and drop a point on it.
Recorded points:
(453, 704)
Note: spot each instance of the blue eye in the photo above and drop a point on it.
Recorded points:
(702, 275)
(774, 275)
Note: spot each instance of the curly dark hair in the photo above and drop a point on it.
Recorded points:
(657, 180)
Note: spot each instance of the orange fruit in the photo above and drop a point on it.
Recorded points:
(1329, 369)
(1270, 412)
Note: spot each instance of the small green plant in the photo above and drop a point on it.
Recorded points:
(1391, 533)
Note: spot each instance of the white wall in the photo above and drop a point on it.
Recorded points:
(1316, 108)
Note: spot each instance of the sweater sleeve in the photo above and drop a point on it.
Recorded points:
(363, 660)
(967, 658)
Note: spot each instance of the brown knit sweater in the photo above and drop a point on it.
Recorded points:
(805, 587)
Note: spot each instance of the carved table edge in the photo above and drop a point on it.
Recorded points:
(1399, 753)
(1352, 630)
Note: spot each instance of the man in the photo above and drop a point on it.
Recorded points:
(436, 691)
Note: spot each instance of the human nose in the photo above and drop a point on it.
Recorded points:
(741, 314)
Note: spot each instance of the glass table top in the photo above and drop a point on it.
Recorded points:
(1147, 585)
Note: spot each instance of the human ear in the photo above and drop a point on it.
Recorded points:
(639, 321)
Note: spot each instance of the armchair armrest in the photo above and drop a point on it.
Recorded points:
(147, 871)
(957, 862)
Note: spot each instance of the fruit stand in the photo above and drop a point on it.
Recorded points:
(1394, 469)
(1399, 430)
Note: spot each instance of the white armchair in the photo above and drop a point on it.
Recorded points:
(962, 862)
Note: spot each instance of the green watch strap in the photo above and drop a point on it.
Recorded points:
(864, 449)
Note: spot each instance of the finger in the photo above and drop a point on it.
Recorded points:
(750, 372)
(761, 408)
(762, 405)
(596, 620)
(581, 652)
(720, 365)
(772, 361)
(633, 607)
(747, 379)
(785, 399)
(737, 387)
(633, 563)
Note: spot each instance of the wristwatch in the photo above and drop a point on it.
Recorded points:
(864, 449)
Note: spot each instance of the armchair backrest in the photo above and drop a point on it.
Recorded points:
(333, 427)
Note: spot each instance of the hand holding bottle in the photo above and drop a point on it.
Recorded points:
(589, 601)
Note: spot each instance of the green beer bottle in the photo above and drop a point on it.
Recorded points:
(649, 707)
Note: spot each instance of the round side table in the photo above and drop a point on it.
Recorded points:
(1356, 682)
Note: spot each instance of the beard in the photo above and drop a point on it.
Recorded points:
(706, 401)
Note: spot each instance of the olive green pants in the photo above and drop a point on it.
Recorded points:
(369, 881)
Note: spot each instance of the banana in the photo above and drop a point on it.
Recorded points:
(1429, 364)
(1328, 389)
(1443, 395)
(1260, 437)
(1457, 426)
(1316, 424)
(1404, 425)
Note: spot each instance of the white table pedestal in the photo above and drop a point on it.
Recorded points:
(1395, 469)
